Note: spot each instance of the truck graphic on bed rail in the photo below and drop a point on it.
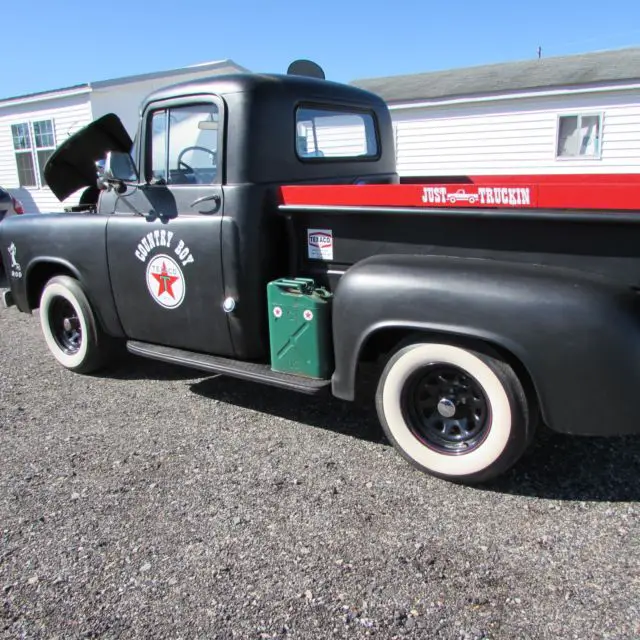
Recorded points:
(462, 196)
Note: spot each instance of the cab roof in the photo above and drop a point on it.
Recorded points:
(273, 84)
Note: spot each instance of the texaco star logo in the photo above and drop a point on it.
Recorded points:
(165, 281)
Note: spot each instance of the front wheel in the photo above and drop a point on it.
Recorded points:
(70, 328)
(454, 413)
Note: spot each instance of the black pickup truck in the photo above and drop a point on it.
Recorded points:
(257, 227)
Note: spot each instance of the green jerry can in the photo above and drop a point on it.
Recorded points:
(300, 328)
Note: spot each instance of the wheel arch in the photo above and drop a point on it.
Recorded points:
(40, 271)
(383, 339)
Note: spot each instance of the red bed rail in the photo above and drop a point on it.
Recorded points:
(580, 192)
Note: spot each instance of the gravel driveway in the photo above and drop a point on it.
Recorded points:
(158, 503)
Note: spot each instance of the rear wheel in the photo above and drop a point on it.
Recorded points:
(70, 328)
(454, 413)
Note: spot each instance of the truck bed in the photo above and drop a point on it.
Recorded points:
(590, 226)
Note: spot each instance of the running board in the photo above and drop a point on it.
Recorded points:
(252, 371)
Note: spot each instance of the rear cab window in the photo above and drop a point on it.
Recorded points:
(335, 133)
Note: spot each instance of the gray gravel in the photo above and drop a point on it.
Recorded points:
(155, 502)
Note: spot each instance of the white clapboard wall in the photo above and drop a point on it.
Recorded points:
(516, 136)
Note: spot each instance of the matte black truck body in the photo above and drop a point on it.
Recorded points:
(520, 311)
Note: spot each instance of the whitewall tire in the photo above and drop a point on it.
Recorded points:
(69, 326)
(452, 412)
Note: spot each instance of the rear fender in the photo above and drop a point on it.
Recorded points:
(576, 334)
(39, 271)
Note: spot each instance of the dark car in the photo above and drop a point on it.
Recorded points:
(9, 206)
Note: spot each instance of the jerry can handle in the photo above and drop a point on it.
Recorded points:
(301, 284)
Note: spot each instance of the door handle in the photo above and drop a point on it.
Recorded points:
(214, 196)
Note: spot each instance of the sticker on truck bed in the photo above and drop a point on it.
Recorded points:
(486, 195)
(320, 244)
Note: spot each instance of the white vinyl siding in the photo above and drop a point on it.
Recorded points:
(68, 114)
(515, 136)
(336, 142)
(340, 141)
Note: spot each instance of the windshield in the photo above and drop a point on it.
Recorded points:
(335, 133)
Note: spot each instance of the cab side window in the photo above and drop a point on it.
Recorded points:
(184, 144)
(159, 146)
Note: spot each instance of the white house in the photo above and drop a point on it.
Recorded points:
(32, 126)
(569, 114)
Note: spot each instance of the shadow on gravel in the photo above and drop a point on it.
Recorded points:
(130, 367)
(561, 467)
(326, 412)
(557, 467)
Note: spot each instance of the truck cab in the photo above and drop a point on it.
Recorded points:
(208, 160)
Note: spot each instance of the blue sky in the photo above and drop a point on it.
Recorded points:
(48, 45)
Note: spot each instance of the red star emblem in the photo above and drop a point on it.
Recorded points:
(165, 281)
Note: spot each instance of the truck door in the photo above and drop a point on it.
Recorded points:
(164, 239)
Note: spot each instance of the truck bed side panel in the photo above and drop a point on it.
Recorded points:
(610, 248)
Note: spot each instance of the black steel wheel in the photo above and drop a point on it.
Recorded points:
(70, 328)
(65, 325)
(453, 412)
(446, 408)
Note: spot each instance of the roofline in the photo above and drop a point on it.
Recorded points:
(516, 95)
(88, 87)
(205, 66)
(502, 63)
(481, 82)
(42, 96)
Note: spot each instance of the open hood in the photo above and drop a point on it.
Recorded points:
(72, 165)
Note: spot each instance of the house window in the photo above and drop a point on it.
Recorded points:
(33, 144)
(579, 136)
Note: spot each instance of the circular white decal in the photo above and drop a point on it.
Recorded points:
(165, 281)
(308, 315)
(277, 312)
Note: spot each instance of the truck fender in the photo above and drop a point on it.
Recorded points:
(53, 263)
(575, 334)
(20, 287)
